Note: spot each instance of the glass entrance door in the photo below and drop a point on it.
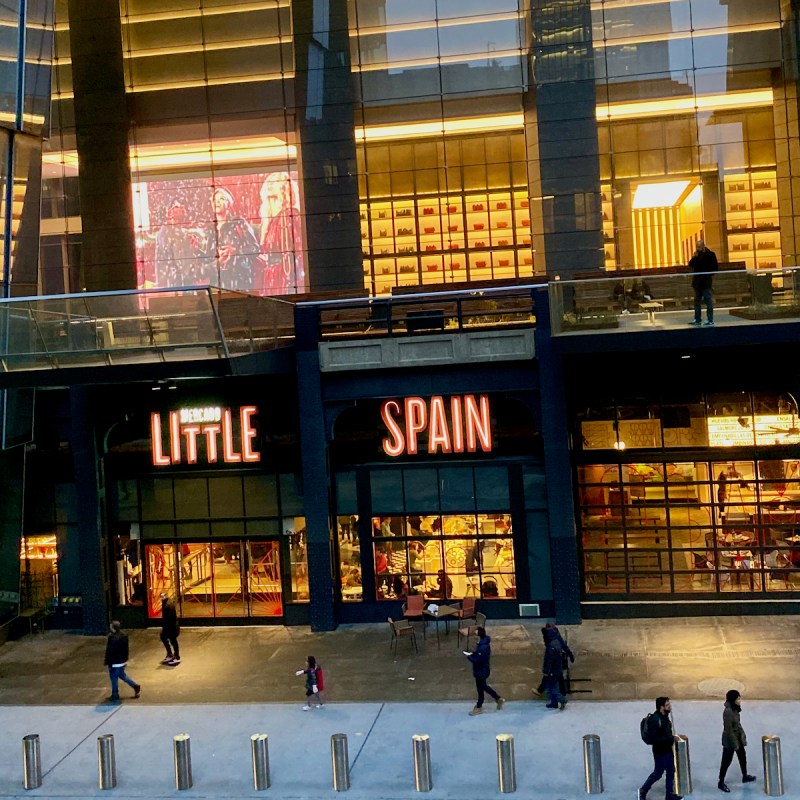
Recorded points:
(216, 579)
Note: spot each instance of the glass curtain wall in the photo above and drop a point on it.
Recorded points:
(441, 150)
(724, 520)
(693, 98)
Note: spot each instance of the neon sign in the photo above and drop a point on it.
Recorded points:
(189, 429)
(466, 429)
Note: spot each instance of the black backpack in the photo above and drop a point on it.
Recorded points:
(646, 730)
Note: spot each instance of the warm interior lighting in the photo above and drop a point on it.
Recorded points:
(164, 86)
(619, 445)
(659, 195)
(153, 157)
(688, 34)
(414, 130)
(435, 61)
(206, 10)
(609, 112)
(428, 24)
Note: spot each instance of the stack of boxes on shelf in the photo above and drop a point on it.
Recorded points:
(751, 213)
(446, 239)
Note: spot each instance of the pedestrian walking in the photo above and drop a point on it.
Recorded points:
(734, 740)
(480, 658)
(170, 631)
(702, 264)
(566, 654)
(658, 733)
(553, 668)
(311, 671)
(116, 660)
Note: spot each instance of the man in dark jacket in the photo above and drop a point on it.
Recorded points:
(566, 654)
(703, 261)
(552, 668)
(170, 630)
(663, 740)
(480, 670)
(116, 659)
(734, 740)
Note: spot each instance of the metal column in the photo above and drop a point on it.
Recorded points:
(506, 769)
(259, 749)
(592, 764)
(683, 766)
(340, 761)
(106, 762)
(773, 770)
(183, 761)
(423, 779)
(31, 761)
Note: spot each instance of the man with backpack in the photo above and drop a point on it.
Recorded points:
(656, 730)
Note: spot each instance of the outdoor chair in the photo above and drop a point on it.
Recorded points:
(414, 610)
(471, 628)
(402, 628)
(467, 610)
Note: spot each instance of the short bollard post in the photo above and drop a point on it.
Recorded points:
(423, 780)
(106, 762)
(259, 747)
(340, 762)
(183, 761)
(773, 770)
(506, 770)
(592, 764)
(683, 766)
(31, 761)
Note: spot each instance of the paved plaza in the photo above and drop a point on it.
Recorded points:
(234, 682)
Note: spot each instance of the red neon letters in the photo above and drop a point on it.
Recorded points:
(467, 429)
(189, 426)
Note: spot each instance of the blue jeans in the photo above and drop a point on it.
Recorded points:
(117, 674)
(664, 763)
(706, 296)
(553, 689)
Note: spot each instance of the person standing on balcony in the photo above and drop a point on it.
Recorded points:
(703, 263)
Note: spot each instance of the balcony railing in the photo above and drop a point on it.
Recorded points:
(93, 329)
(427, 313)
(667, 301)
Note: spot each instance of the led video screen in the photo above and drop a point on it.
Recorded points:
(241, 232)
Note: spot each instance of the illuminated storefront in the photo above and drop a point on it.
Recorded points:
(701, 498)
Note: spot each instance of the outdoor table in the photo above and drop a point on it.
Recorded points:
(444, 612)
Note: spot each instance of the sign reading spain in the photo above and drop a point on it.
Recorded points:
(458, 424)
(210, 434)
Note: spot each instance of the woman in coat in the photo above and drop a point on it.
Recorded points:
(734, 740)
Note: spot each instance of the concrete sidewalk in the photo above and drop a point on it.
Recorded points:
(688, 658)
(547, 744)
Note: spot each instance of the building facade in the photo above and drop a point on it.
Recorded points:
(466, 445)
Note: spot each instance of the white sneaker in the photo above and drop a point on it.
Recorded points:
(625, 311)
(306, 708)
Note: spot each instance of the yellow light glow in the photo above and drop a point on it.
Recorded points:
(160, 87)
(433, 61)
(659, 195)
(148, 158)
(609, 112)
(373, 133)
(421, 25)
(598, 44)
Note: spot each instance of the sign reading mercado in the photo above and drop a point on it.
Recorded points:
(207, 434)
(460, 424)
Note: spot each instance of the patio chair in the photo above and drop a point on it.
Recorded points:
(777, 565)
(471, 628)
(467, 610)
(414, 611)
(402, 628)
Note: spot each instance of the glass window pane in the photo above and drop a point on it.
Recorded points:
(191, 498)
(421, 489)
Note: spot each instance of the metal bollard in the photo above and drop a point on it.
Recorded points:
(340, 762)
(592, 764)
(259, 748)
(506, 770)
(106, 762)
(31, 761)
(183, 761)
(423, 780)
(683, 766)
(773, 770)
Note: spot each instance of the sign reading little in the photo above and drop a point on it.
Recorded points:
(189, 429)
(456, 425)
